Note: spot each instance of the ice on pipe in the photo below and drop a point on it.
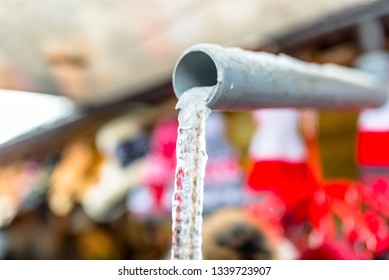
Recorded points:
(192, 102)
(187, 200)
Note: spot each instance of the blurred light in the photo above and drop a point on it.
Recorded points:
(23, 112)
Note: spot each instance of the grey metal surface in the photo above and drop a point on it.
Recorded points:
(371, 35)
(246, 80)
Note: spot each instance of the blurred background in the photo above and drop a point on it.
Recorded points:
(88, 131)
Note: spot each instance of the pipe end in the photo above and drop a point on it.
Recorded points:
(195, 68)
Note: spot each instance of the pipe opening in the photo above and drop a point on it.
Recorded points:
(195, 69)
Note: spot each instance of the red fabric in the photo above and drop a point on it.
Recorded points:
(327, 251)
(292, 182)
(319, 212)
(161, 162)
(358, 209)
(376, 196)
(164, 137)
(379, 232)
(269, 210)
(372, 148)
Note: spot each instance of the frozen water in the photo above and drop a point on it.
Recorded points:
(187, 201)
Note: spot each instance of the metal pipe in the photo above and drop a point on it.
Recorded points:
(371, 35)
(245, 80)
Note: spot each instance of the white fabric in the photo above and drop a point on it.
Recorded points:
(377, 119)
(115, 183)
(277, 136)
(140, 201)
